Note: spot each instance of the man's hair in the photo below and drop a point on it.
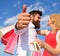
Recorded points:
(34, 12)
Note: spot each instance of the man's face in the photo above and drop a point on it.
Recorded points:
(36, 21)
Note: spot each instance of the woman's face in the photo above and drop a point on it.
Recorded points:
(51, 21)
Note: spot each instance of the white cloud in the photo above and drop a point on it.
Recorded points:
(0, 26)
(11, 20)
(54, 4)
(45, 18)
(35, 6)
(44, 21)
(1, 46)
(18, 2)
(14, 5)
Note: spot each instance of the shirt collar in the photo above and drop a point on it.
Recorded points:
(31, 25)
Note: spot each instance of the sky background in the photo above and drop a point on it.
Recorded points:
(10, 9)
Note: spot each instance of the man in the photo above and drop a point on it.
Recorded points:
(25, 28)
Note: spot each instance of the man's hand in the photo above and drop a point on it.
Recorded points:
(23, 19)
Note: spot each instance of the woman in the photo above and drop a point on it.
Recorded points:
(52, 40)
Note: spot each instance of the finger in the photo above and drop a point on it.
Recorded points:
(24, 18)
(21, 26)
(24, 8)
(25, 22)
(24, 26)
(25, 14)
(32, 43)
(20, 17)
(38, 40)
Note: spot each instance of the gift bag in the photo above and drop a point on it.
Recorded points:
(6, 37)
(37, 50)
(10, 40)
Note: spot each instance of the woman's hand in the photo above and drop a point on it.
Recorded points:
(39, 42)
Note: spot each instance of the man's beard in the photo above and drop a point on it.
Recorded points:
(37, 24)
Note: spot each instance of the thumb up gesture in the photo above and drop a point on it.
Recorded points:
(23, 19)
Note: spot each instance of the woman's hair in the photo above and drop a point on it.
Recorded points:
(56, 20)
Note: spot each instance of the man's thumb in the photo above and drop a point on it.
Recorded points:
(24, 8)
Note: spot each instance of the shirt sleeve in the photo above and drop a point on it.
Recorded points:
(20, 32)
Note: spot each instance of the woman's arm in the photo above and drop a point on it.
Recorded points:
(53, 51)
(47, 47)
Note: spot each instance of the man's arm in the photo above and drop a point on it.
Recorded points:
(43, 32)
(23, 19)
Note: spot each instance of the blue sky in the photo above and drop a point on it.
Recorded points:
(10, 9)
